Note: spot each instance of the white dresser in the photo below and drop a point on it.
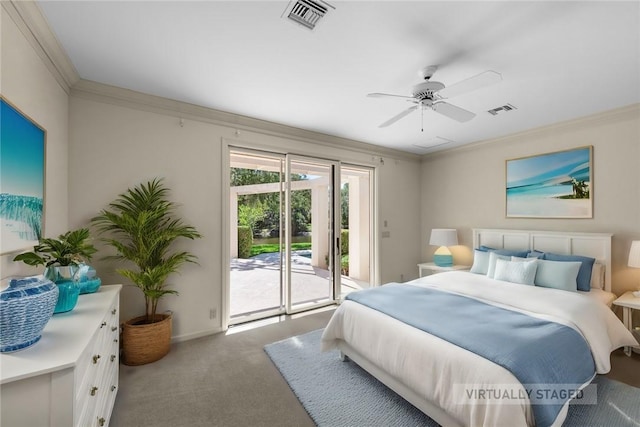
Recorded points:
(69, 377)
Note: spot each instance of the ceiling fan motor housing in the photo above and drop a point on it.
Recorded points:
(426, 90)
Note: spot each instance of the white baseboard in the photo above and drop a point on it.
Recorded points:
(194, 335)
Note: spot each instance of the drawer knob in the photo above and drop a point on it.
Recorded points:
(114, 328)
(93, 391)
(101, 421)
(103, 324)
(113, 388)
(113, 311)
(113, 357)
(116, 340)
(96, 358)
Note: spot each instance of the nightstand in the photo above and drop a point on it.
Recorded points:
(628, 302)
(429, 266)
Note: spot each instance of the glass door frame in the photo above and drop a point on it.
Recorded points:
(371, 171)
(269, 312)
(334, 238)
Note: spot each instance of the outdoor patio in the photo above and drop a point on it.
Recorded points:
(255, 282)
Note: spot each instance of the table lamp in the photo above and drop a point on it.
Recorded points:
(444, 237)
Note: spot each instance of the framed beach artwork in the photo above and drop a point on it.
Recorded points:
(22, 178)
(552, 185)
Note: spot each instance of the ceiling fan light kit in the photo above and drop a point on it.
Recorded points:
(430, 94)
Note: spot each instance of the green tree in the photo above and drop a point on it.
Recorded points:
(300, 211)
(344, 206)
(270, 203)
(250, 215)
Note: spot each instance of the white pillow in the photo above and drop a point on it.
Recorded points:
(597, 275)
(558, 274)
(493, 257)
(480, 262)
(523, 272)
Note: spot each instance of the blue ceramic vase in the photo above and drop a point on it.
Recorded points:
(66, 278)
(26, 306)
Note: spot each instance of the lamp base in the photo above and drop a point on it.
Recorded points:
(443, 260)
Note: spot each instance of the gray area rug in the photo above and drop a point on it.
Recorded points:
(337, 394)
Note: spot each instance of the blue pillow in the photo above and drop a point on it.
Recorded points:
(557, 274)
(512, 252)
(535, 254)
(483, 248)
(584, 275)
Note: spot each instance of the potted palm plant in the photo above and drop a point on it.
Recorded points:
(142, 228)
(62, 258)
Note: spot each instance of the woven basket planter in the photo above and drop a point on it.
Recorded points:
(144, 343)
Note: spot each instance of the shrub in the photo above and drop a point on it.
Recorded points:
(344, 265)
(245, 241)
(344, 242)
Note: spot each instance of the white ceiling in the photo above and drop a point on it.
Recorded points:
(559, 60)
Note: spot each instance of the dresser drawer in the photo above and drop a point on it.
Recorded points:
(99, 367)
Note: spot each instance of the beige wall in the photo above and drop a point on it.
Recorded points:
(28, 83)
(96, 148)
(464, 188)
(115, 145)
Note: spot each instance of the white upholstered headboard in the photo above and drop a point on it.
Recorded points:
(594, 245)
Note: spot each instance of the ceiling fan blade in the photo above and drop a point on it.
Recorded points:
(472, 83)
(388, 95)
(453, 112)
(397, 117)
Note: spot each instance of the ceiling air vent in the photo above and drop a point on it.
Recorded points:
(503, 109)
(307, 12)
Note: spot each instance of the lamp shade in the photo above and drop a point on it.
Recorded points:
(447, 237)
(634, 254)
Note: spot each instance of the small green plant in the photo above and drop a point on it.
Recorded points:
(70, 248)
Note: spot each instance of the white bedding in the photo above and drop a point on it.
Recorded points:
(429, 366)
(601, 295)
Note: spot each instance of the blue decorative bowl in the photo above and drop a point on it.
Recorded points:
(26, 306)
(90, 286)
(87, 279)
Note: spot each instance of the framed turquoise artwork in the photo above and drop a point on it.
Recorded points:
(552, 185)
(22, 179)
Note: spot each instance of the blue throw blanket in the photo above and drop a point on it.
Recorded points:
(535, 351)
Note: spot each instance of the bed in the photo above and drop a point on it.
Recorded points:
(429, 370)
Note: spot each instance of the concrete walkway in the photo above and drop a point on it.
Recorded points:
(255, 282)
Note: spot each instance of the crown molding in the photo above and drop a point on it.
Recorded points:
(29, 19)
(100, 92)
(627, 112)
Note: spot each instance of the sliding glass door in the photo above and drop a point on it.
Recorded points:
(256, 235)
(283, 239)
(311, 212)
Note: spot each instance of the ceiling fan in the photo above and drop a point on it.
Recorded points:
(430, 94)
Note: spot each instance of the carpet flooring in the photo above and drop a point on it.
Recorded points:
(336, 393)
